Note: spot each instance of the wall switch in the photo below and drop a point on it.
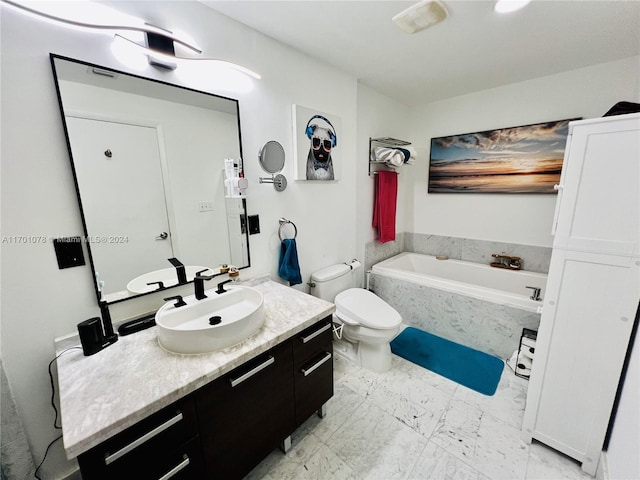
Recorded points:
(68, 252)
(254, 224)
(205, 206)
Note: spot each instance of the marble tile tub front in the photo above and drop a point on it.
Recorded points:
(479, 324)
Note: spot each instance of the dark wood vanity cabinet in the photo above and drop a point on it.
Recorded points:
(250, 411)
(224, 429)
(163, 445)
(246, 414)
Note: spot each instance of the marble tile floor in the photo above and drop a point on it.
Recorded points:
(410, 423)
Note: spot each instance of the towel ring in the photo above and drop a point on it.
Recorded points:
(283, 222)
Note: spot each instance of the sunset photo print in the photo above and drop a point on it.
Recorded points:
(525, 159)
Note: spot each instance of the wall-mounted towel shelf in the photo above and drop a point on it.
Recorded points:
(383, 142)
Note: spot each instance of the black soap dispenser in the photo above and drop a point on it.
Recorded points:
(96, 335)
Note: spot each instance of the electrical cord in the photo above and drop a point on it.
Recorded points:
(55, 409)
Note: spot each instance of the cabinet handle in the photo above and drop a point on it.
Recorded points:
(316, 333)
(181, 466)
(147, 436)
(307, 371)
(237, 381)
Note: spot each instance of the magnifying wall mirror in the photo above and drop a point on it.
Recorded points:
(148, 162)
(271, 157)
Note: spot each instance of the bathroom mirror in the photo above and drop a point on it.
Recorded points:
(271, 157)
(148, 163)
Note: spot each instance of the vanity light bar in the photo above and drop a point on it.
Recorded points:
(134, 25)
(158, 55)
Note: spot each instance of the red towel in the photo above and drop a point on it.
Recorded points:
(384, 207)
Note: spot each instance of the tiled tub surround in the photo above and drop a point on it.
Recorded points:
(483, 318)
(105, 393)
(534, 258)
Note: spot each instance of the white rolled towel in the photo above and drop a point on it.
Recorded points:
(523, 371)
(390, 156)
(527, 351)
(524, 362)
(529, 342)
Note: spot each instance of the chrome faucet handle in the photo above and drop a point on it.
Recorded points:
(535, 295)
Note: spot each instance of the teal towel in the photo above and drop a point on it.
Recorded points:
(288, 267)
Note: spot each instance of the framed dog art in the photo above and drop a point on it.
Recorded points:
(316, 145)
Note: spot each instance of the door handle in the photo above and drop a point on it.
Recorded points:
(162, 236)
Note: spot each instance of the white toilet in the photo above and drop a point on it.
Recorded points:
(368, 322)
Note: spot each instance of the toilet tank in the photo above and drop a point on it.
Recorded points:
(330, 281)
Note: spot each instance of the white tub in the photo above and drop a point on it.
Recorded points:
(477, 305)
(497, 285)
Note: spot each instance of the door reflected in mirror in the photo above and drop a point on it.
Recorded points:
(148, 162)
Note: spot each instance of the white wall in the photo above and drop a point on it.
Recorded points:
(522, 219)
(40, 302)
(380, 116)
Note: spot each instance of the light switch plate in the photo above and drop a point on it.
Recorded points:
(205, 206)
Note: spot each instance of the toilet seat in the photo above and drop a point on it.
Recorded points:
(357, 306)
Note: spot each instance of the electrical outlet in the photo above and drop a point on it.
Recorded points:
(205, 206)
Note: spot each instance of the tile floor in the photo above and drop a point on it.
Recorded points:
(410, 423)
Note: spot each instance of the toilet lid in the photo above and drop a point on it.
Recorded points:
(357, 305)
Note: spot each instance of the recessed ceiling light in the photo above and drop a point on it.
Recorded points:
(420, 16)
(506, 6)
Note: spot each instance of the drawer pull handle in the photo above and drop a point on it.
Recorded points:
(237, 381)
(316, 333)
(181, 466)
(307, 371)
(146, 437)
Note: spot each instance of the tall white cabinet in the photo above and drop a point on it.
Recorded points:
(593, 290)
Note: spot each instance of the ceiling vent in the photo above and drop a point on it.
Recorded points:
(420, 16)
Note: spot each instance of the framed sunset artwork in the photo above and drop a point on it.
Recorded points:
(525, 159)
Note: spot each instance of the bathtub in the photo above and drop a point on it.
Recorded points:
(473, 304)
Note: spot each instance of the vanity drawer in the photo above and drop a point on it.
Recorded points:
(313, 369)
(154, 444)
(312, 341)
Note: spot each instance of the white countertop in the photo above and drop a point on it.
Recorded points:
(107, 392)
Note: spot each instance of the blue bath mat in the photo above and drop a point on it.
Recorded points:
(473, 369)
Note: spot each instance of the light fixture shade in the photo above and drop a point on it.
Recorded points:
(420, 16)
(162, 59)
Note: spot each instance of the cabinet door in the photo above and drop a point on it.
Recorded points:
(245, 414)
(586, 323)
(598, 207)
(313, 368)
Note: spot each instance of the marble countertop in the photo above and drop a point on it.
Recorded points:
(105, 393)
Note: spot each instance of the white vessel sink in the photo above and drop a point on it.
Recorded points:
(167, 276)
(216, 322)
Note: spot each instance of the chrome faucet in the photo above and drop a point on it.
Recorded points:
(536, 293)
(180, 270)
(198, 283)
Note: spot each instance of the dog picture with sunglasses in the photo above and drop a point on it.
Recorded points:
(322, 141)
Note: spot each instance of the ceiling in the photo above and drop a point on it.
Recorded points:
(473, 49)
